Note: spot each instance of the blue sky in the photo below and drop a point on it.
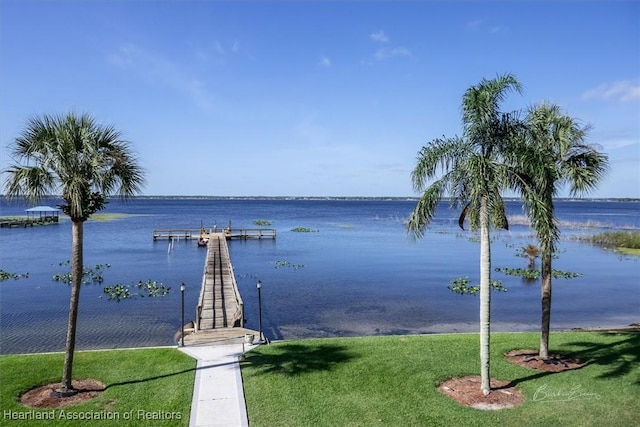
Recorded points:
(313, 98)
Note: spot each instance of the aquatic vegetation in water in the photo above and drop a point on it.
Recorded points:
(262, 222)
(615, 239)
(533, 273)
(105, 217)
(304, 230)
(89, 275)
(460, 286)
(150, 288)
(282, 263)
(5, 275)
(119, 291)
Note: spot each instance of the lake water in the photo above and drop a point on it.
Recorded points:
(357, 273)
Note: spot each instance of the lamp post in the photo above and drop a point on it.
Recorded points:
(182, 286)
(259, 286)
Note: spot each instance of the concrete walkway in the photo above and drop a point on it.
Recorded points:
(218, 397)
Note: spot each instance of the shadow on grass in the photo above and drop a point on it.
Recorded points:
(293, 359)
(618, 357)
(156, 377)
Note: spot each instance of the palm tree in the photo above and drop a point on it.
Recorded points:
(563, 158)
(473, 174)
(531, 252)
(83, 161)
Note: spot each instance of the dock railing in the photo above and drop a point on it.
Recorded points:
(239, 314)
(201, 298)
(229, 233)
(250, 233)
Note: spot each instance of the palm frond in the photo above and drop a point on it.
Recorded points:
(425, 209)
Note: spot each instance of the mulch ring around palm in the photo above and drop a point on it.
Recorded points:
(466, 391)
(45, 396)
(555, 363)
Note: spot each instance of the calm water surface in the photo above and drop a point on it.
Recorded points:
(357, 273)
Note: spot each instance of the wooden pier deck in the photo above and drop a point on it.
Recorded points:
(220, 304)
(228, 233)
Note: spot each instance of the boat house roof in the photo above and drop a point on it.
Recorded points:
(42, 209)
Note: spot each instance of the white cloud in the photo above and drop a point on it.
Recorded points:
(474, 25)
(615, 143)
(483, 26)
(386, 53)
(217, 47)
(621, 91)
(159, 71)
(325, 62)
(236, 47)
(124, 57)
(380, 37)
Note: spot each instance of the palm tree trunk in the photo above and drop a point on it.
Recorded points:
(545, 289)
(485, 297)
(76, 282)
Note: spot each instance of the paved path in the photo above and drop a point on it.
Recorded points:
(218, 397)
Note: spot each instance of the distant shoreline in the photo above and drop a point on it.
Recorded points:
(343, 198)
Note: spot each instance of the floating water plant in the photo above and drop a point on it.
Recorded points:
(304, 230)
(262, 222)
(460, 286)
(533, 274)
(106, 217)
(89, 275)
(150, 288)
(282, 263)
(119, 291)
(5, 275)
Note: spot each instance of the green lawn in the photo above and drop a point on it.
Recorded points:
(349, 382)
(392, 381)
(144, 385)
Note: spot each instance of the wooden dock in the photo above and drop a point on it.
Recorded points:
(228, 233)
(220, 304)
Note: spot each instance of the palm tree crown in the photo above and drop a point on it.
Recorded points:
(75, 157)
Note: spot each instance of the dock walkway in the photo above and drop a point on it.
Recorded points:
(218, 340)
(220, 304)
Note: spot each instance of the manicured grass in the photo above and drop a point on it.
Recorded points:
(392, 380)
(148, 384)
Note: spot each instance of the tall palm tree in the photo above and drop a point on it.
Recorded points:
(85, 162)
(563, 159)
(473, 175)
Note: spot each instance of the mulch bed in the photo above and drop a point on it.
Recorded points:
(43, 396)
(556, 363)
(467, 392)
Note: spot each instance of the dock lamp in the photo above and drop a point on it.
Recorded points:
(259, 286)
(182, 286)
